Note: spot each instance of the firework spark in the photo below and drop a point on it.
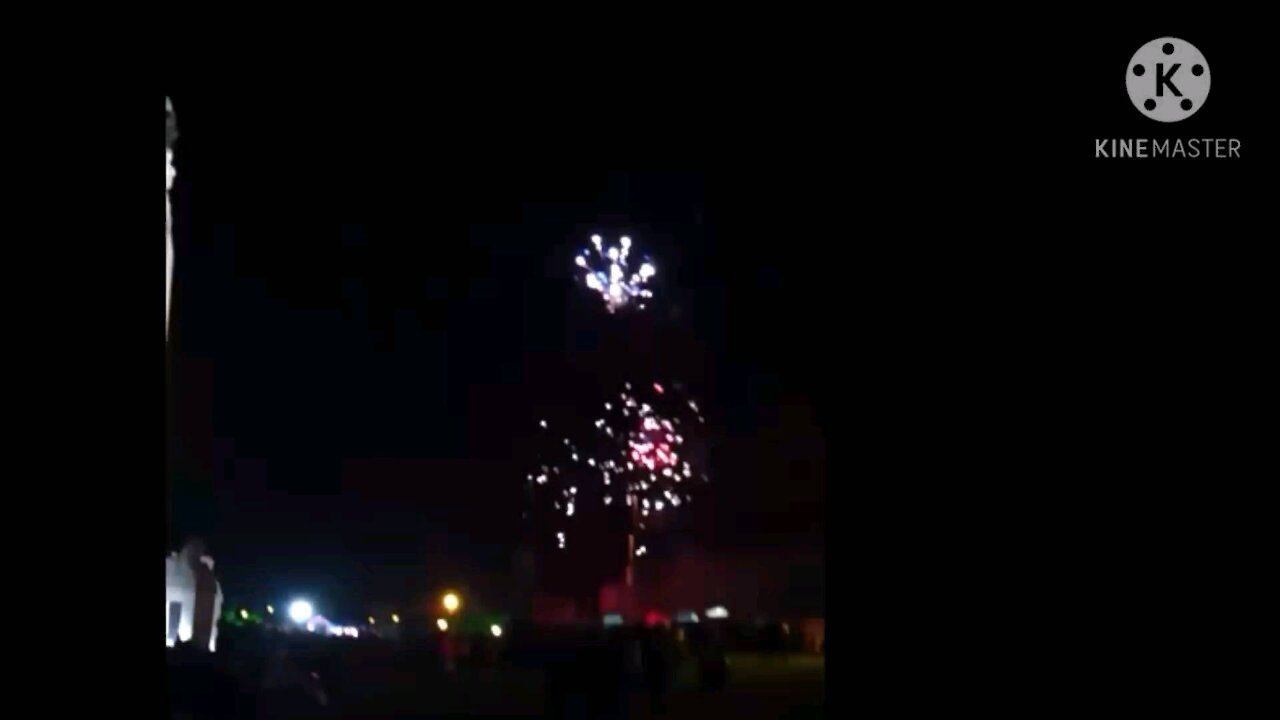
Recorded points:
(637, 455)
(608, 273)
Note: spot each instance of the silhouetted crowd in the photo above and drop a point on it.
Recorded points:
(594, 678)
(588, 672)
(252, 676)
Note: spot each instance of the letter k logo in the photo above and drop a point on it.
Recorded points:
(1166, 78)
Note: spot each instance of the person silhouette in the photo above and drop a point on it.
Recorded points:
(656, 666)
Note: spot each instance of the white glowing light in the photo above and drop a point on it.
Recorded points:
(560, 539)
(168, 238)
(301, 611)
(573, 490)
(542, 479)
(608, 500)
(591, 462)
(658, 506)
(543, 423)
(675, 502)
(666, 472)
(395, 618)
(311, 627)
(442, 624)
(641, 551)
(575, 457)
(271, 610)
(717, 613)
(496, 630)
(616, 284)
(569, 510)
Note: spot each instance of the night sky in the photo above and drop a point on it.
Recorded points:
(369, 320)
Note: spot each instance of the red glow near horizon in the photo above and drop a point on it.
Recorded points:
(653, 617)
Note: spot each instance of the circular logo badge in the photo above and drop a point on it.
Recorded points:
(1168, 79)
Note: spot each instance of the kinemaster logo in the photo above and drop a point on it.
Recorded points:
(1168, 81)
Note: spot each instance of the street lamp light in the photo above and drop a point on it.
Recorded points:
(442, 624)
(301, 611)
(451, 602)
(395, 618)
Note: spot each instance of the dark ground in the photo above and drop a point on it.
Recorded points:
(788, 686)
(377, 680)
